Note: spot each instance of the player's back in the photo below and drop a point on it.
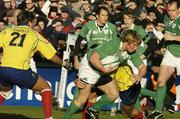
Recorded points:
(18, 46)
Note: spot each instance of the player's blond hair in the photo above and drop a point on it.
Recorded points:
(131, 36)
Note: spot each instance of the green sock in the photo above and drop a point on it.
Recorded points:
(72, 108)
(137, 105)
(112, 104)
(70, 111)
(147, 92)
(76, 93)
(103, 100)
(161, 93)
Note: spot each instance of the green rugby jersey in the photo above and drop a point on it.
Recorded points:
(173, 27)
(105, 50)
(95, 36)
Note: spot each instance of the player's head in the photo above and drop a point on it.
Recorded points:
(27, 18)
(173, 8)
(132, 40)
(102, 14)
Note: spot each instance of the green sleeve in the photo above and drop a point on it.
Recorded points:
(144, 36)
(84, 30)
(136, 60)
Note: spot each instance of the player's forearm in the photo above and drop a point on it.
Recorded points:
(142, 70)
(171, 37)
(56, 59)
(96, 62)
(177, 38)
(76, 62)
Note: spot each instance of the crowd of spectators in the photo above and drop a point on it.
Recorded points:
(55, 19)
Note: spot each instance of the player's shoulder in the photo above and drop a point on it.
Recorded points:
(23, 29)
(111, 25)
(138, 27)
(90, 24)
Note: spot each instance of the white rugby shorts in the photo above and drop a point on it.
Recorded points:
(87, 73)
(172, 61)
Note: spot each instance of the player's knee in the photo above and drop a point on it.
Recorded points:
(134, 113)
(81, 102)
(161, 82)
(6, 93)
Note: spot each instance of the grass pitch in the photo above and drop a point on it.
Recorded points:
(22, 112)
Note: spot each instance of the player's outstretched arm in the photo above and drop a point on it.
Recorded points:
(56, 59)
(171, 37)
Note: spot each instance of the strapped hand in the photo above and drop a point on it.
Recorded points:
(67, 64)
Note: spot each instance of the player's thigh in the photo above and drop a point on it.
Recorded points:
(164, 74)
(110, 89)
(167, 67)
(41, 84)
(126, 109)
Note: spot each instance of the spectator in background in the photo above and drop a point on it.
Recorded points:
(141, 20)
(41, 3)
(13, 4)
(52, 15)
(7, 4)
(37, 28)
(134, 7)
(66, 16)
(5, 7)
(2, 24)
(86, 8)
(117, 13)
(42, 23)
(46, 7)
(76, 6)
(118, 28)
(150, 6)
(152, 17)
(11, 18)
(56, 29)
(16, 11)
(160, 12)
(30, 6)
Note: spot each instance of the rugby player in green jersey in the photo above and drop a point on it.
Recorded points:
(171, 59)
(91, 68)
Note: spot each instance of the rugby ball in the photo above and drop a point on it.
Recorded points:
(111, 60)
